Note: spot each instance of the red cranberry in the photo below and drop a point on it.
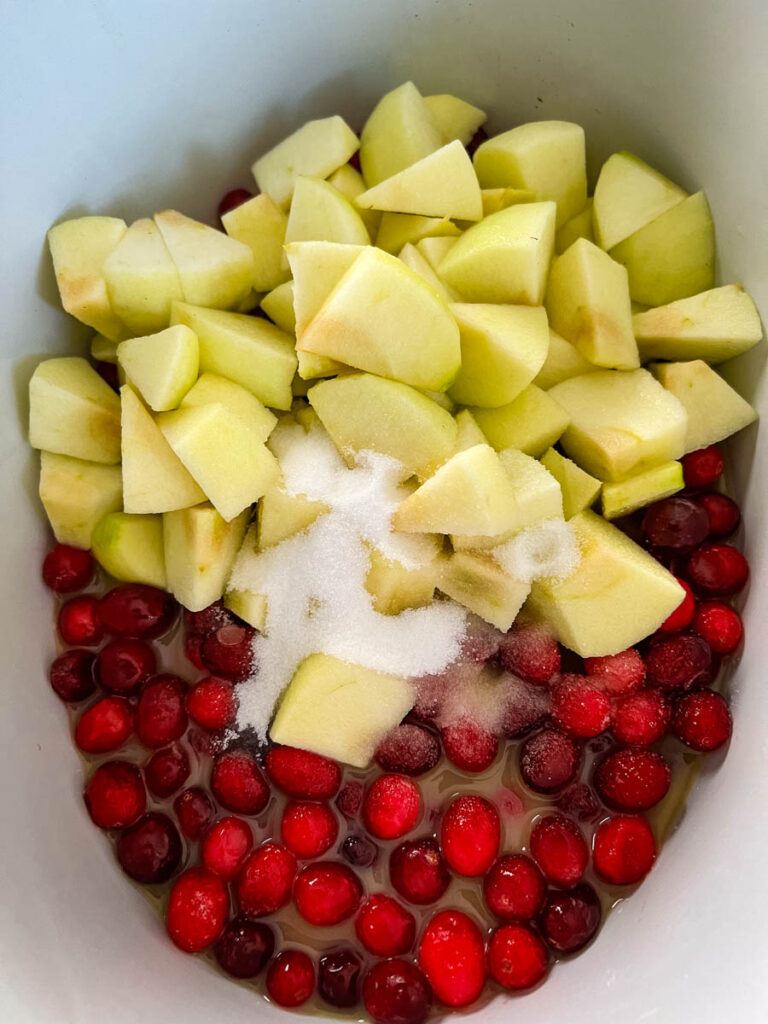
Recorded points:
(107, 372)
(718, 570)
(150, 851)
(359, 851)
(161, 715)
(570, 918)
(307, 828)
(211, 703)
(229, 652)
(231, 200)
(702, 721)
(291, 978)
(719, 625)
(194, 811)
(560, 850)
(525, 706)
(326, 893)
(677, 523)
(679, 662)
(350, 799)
(580, 709)
(166, 771)
(724, 515)
(208, 620)
(67, 569)
(105, 726)
(123, 665)
(430, 696)
(192, 645)
(580, 802)
(549, 761)
(514, 888)
(79, 622)
(703, 467)
(115, 795)
(71, 676)
(238, 784)
(197, 910)
(385, 927)
(302, 774)
(338, 978)
(640, 719)
(396, 992)
(617, 674)
(480, 136)
(418, 871)
(469, 746)
(481, 642)
(452, 956)
(470, 835)
(517, 958)
(135, 609)
(682, 615)
(266, 881)
(391, 806)
(245, 948)
(632, 780)
(225, 846)
(624, 850)
(529, 652)
(408, 749)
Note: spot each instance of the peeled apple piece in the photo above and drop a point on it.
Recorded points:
(532, 422)
(319, 212)
(240, 402)
(397, 230)
(400, 131)
(142, 279)
(625, 496)
(199, 550)
(76, 495)
(162, 367)
(563, 361)
(479, 583)
(579, 489)
(628, 195)
(455, 118)
(130, 548)
(260, 224)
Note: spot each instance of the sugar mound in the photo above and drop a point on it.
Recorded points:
(548, 550)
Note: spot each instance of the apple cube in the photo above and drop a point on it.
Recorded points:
(340, 710)
(533, 422)
(628, 195)
(247, 350)
(579, 489)
(162, 367)
(547, 157)
(715, 410)
(142, 279)
(260, 224)
(393, 587)
(400, 130)
(317, 148)
(455, 118)
(383, 318)
(673, 256)
(625, 496)
(622, 422)
(241, 403)
(281, 515)
(478, 583)
(714, 326)
(76, 495)
(72, 411)
(317, 268)
(200, 548)
(278, 305)
(250, 607)
(349, 182)
(577, 227)
(616, 596)
(468, 433)
(130, 548)
(502, 350)
(504, 258)
(412, 258)
(319, 212)
(495, 199)
(397, 230)
(103, 350)
(563, 361)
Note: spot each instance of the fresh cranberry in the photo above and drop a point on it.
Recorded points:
(560, 850)
(469, 746)
(579, 802)
(517, 958)
(192, 645)
(150, 851)
(678, 662)
(702, 721)
(238, 784)
(225, 846)
(79, 622)
(525, 706)
(194, 811)
(71, 676)
(480, 136)
(125, 664)
(208, 620)
(197, 910)
(229, 652)
(391, 806)
(161, 715)
(350, 799)
(531, 653)
(452, 956)
(579, 708)
(67, 569)
(384, 927)
(470, 835)
(105, 726)
(570, 918)
(359, 851)
(718, 570)
(677, 523)
(211, 703)
(431, 691)
(724, 515)
(115, 795)
(291, 978)
(408, 749)
(641, 718)
(231, 200)
(266, 880)
(617, 674)
(703, 467)
(682, 615)
(632, 780)
(549, 761)
(338, 978)
(719, 625)
(418, 871)
(326, 893)
(396, 992)
(135, 609)
(514, 888)
(308, 829)
(245, 948)
(166, 771)
(624, 850)
(302, 774)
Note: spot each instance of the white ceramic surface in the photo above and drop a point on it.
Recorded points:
(130, 107)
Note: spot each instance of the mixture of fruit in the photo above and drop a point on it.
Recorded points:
(395, 566)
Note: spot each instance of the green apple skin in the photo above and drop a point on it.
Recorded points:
(393, 587)
(72, 411)
(579, 226)
(241, 403)
(340, 710)
(278, 305)
(533, 422)
(563, 361)
(622, 422)
(142, 279)
(260, 224)
(580, 490)
(320, 213)
(455, 118)
(162, 367)
(628, 195)
(130, 548)
(199, 549)
(76, 495)
(479, 583)
(625, 496)
(400, 131)
(616, 596)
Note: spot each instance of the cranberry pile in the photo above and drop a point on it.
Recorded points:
(547, 820)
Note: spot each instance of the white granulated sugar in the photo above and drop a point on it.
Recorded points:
(548, 550)
(314, 582)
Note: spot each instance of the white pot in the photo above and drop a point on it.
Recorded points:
(127, 108)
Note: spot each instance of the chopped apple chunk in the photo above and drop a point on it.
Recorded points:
(76, 495)
(625, 496)
(130, 547)
(199, 549)
(533, 422)
(479, 583)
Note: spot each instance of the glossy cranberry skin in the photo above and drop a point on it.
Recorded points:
(570, 919)
(115, 795)
(338, 978)
(724, 514)
(350, 799)
(718, 570)
(624, 850)
(137, 610)
(641, 718)
(228, 652)
(266, 880)
(517, 958)
(105, 726)
(529, 652)
(161, 715)
(560, 850)
(617, 674)
(452, 956)
(680, 524)
(245, 948)
(67, 569)
(391, 806)
(302, 774)
(359, 851)
(678, 662)
(291, 978)
(632, 780)
(211, 703)
(681, 617)
(409, 750)
(396, 992)
(71, 676)
(166, 771)
(123, 665)
(231, 200)
(703, 467)
(384, 927)
(719, 625)
(702, 721)
(308, 829)
(549, 761)
(580, 708)
(237, 783)
(418, 871)
(79, 622)
(469, 746)
(194, 811)
(514, 888)
(197, 910)
(107, 372)
(150, 851)
(225, 846)
(470, 835)
(326, 893)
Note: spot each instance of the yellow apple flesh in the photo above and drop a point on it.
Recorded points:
(400, 130)
(130, 548)
(577, 227)
(281, 515)
(162, 367)
(241, 403)
(563, 361)
(260, 224)
(320, 213)
(579, 489)
(455, 118)
(628, 195)
(278, 305)
(199, 549)
(397, 230)
(393, 587)
(142, 279)
(479, 583)
(76, 495)
(533, 422)
(468, 433)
